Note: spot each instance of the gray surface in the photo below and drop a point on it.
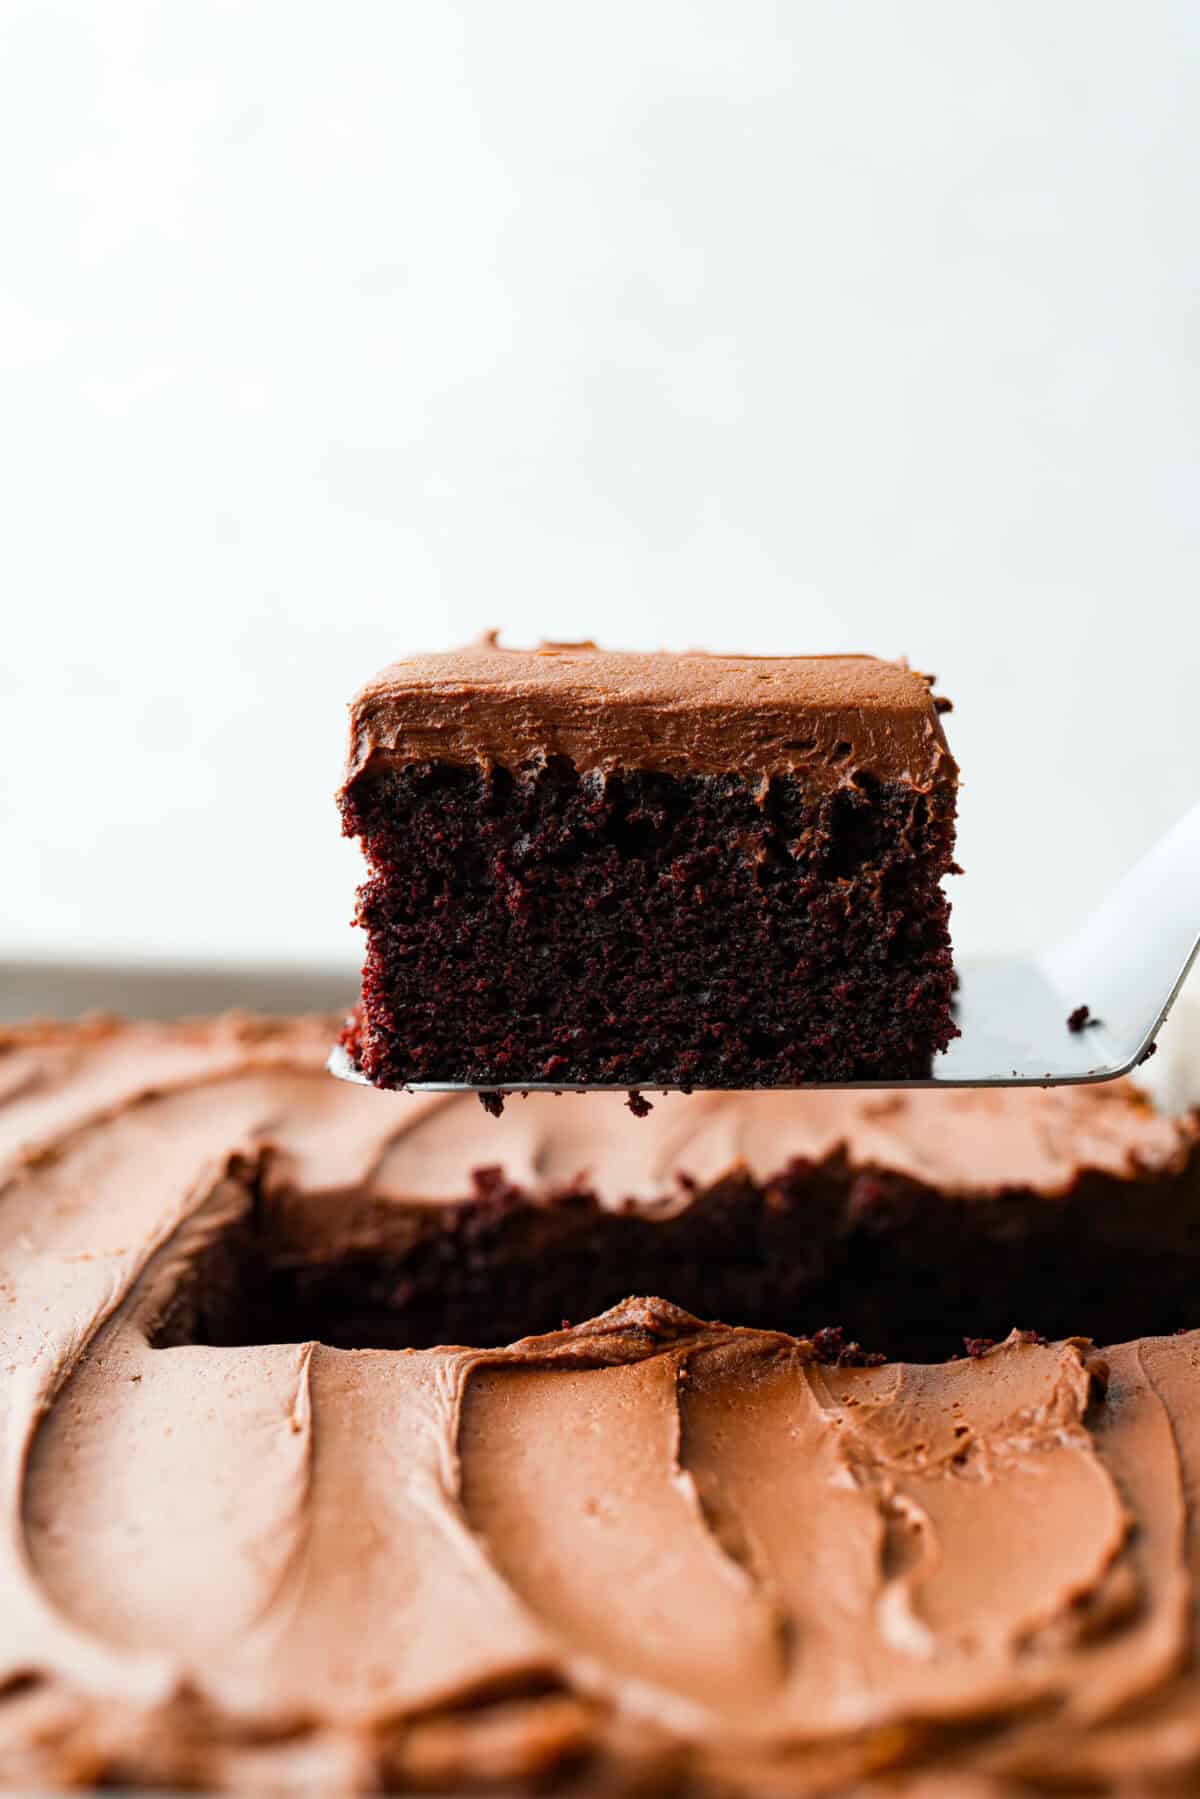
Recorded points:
(58, 990)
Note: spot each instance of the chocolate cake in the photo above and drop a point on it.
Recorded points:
(644, 871)
(638, 1553)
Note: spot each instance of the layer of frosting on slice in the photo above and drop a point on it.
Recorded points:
(831, 717)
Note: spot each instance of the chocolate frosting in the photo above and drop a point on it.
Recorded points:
(648, 1543)
(826, 717)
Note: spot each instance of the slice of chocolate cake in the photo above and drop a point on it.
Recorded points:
(642, 871)
(646, 1554)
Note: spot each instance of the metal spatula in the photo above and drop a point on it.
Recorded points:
(1124, 966)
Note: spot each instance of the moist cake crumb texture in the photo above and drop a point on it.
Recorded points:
(650, 870)
(647, 1553)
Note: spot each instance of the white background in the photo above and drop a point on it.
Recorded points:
(332, 331)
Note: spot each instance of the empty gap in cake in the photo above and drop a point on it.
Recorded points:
(864, 1263)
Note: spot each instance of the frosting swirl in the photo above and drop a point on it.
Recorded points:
(643, 1543)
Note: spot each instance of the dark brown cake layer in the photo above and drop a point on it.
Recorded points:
(646, 1554)
(679, 883)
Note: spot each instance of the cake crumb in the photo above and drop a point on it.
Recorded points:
(492, 1103)
(831, 1347)
(638, 1104)
(1081, 1020)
